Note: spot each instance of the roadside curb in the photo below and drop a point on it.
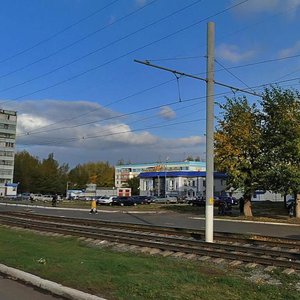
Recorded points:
(246, 221)
(47, 285)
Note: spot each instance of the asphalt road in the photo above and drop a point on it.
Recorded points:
(13, 290)
(173, 220)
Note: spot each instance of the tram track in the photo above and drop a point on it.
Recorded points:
(286, 254)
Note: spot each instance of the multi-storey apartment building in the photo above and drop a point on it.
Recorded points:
(128, 171)
(8, 124)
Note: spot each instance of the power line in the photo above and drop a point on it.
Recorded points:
(57, 33)
(107, 105)
(101, 48)
(74, 43)
(107, 119)
(117, 126)
(186, 100)
(126, 54)
(128, 131)
(236, 77)
(123, 115)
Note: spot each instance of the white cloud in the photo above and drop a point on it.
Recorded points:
(290, 51)
(253, 7)
(41, 130)
(233, 53)
(167, 113)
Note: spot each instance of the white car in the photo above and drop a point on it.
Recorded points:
(105, 200)
(38, 197)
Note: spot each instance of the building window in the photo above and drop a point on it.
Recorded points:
(9, 145)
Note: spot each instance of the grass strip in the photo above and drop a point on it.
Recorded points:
(122, 276)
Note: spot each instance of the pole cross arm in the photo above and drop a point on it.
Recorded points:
(147, 63)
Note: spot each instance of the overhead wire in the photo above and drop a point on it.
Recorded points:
(109, 118)
(236, 77)
(67, 140)
(58, 33)
(55, 140)
(98, 49)
(261, 86)
(74, 43)
(126, 54)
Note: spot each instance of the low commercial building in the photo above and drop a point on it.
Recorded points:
(179, 183)
(129, 171)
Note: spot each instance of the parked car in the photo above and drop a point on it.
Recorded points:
(46, 198)
(23, 196)
(105, 200)
(199, 201)
(37, 197)
(167, 199)
(142, 199)
(123, 201)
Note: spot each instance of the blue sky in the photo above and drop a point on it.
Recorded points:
(67, 67)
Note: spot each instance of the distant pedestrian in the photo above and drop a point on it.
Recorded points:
(93, 206)
(222, 208)
(242, 203)
(31, 197)
(54, 200)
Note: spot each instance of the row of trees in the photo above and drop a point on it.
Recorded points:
(48, 177)
(258, 146)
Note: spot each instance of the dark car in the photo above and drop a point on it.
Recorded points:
(142, 199)
(199, 201)
(123, 201)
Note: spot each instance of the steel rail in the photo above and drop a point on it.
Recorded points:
(166, 243)
(257, 240)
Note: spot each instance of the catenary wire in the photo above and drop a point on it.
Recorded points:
(72, 44)
(110, 118)
(170, 103)
(98, 49)
(57, 33)
(236, 77)
(128, 131)
(126, 54)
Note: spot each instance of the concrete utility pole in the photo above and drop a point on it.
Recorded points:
(209, 207)
(210, 82)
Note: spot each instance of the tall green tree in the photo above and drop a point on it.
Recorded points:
(281, 141)
(100, 173)
(238, 147)
(26, 171)
(134, 184)
(36, 176)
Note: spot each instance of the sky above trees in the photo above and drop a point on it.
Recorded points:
(67, 68)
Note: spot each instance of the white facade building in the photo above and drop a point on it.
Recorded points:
(179, 183)
(8, 124)
(129, 171)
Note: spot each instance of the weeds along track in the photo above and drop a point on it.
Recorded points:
(259, 249)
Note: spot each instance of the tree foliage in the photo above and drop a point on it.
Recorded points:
(260, 148)
(237, 147)
(48, 177)
(36, 176)
(100, 173)
(281, 140)
(134, 184)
